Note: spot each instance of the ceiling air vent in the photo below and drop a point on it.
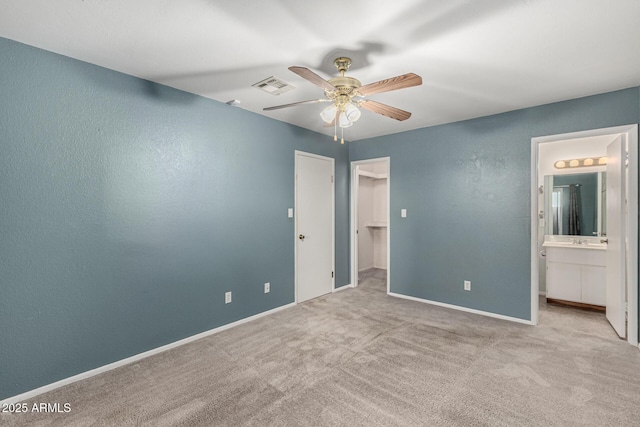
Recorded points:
(274, 86)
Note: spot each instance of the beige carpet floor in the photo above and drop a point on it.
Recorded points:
(361, 358)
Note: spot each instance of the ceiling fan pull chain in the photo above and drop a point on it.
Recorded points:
(342, 136)
(335, 128)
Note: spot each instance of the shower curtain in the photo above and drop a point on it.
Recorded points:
(574, 210)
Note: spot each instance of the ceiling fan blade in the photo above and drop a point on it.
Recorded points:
(309, 75)
(385, 110)
(394, 83)
(312, 101)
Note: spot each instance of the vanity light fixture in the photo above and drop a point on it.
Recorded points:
(579, 163)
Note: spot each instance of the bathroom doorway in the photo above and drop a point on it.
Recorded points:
(580, 254)
(370, 194)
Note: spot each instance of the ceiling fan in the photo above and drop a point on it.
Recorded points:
(347, 94)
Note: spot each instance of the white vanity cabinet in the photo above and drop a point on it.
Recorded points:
(577, 273)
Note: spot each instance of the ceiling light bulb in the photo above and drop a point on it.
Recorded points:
(588, 162)
(352, 112)
(329, 113)
(574, 163)
(602, 161)
(343, 120)
(560, 164)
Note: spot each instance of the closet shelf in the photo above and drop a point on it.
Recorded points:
(376, 224)
(373, 175)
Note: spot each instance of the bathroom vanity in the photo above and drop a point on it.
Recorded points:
(576, 270)
(573, 252)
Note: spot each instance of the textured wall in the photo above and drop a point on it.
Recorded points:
(127, 209)
(466, 187)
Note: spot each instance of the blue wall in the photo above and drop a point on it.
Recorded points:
(466, 188)
(127, 209)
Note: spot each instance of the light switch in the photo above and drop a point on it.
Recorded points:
(403, 213)
(290, 212)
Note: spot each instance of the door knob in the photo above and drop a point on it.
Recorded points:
(301, 237)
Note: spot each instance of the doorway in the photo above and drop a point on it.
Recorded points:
(315, 226)
(547, 170)
(370, 228)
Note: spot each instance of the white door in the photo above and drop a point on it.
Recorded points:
(616, 235)
(314, 226)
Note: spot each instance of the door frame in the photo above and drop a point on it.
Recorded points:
(631, 136)
(297, 154)
(354, 217)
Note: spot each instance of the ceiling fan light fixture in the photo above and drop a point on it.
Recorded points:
(343, 120)
(329, 113)
(352, 112)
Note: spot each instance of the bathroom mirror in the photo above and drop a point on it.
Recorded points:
(575, 204)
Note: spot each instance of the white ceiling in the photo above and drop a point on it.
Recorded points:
(476, 57)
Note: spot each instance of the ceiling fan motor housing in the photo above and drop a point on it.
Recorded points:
(345, 82)
(344, 93)
(344, 85)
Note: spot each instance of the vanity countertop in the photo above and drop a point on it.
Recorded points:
(571, 245)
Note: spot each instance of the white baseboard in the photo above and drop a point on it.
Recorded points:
(342, 288)
(88, 374)
(468, 310)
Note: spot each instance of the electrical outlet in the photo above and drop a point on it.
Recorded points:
(227, 297)
(467, 285)
(267, 288)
